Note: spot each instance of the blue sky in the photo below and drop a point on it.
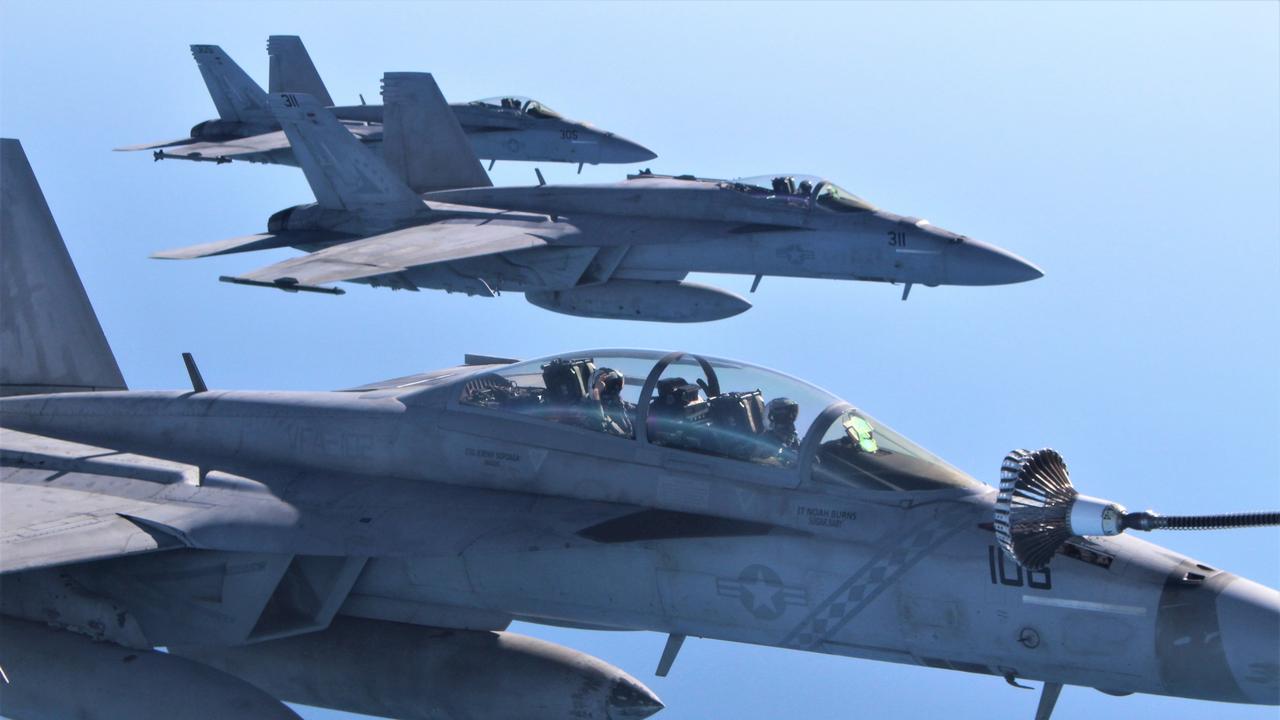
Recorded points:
(1131, 150)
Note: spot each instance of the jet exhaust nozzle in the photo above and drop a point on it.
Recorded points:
(1038, 510)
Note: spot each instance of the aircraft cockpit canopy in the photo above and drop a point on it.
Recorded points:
(802, 191)
(714, 407)
(520, 104)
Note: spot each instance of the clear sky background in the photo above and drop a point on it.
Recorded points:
(1131, 150)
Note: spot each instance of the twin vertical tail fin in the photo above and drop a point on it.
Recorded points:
(292, 69)
(50, 339)
(235, 94)
(422, 141)
(342, 172)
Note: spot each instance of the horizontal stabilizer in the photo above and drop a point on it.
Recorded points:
(422, 141)
(250, 243)
(343, 174)
(392, 253)
(50, 339)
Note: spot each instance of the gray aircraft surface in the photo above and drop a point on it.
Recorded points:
(510, 127)
(366, 549)
(428, 217)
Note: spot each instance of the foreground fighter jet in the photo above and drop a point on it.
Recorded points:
(501, 128)
(619, 250)
(366, 549)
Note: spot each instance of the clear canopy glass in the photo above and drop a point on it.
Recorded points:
(519, 104)
(858, 451)
(712, 406)
(802, 190)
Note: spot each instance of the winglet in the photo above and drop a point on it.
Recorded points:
(343, 174)
(422, 141)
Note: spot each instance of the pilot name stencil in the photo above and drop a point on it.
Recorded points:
(825, 517)
(493, 458)
(761, 592)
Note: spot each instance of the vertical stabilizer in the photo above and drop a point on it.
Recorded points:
(235, 94)
(292, 69)
(342, 172)
(50, 339)
(422, 141)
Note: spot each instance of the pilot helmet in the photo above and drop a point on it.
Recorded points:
(611, 381)
(782, 411)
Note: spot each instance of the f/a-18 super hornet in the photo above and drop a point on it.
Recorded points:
(510, 127)
(366, 549)
(428, 217)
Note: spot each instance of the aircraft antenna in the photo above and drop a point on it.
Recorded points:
(1038, 510)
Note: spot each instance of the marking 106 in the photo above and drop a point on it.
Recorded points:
(1005, 571)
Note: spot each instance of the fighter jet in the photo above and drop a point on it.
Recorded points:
(509, 127)
(618, 250)
(366, 549)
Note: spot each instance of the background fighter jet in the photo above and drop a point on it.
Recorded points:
(618, 250)
(509, 127)
(365, 549)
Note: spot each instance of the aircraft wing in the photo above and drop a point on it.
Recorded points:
(394, 252)
(53, 513)
(157, 145)
(248, 148)
(63, 502)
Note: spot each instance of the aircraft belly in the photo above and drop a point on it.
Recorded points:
(813, 255)
(533, 145)
(930, 594)
(536, 269)
(611, 587)
(969, 607)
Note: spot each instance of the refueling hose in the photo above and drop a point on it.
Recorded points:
(1152, 521)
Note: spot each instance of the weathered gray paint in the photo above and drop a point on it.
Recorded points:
(228, 519)
(617, 250)
(413, 672)
(246, 130)
(56, 674)
(50, 339)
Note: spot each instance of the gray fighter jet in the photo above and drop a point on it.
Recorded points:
(619, 250)
(366, 549)
(509, 127)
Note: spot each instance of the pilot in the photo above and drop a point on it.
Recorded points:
(782, 413)
(806, 187)
(607, 411)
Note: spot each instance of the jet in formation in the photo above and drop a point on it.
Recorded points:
(510, 127)
(366, 549)
(425, 215)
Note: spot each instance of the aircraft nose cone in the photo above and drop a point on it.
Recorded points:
(629, 700)
(1249, 619)
(976, 263)
(621, 150)
(1218, 637)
